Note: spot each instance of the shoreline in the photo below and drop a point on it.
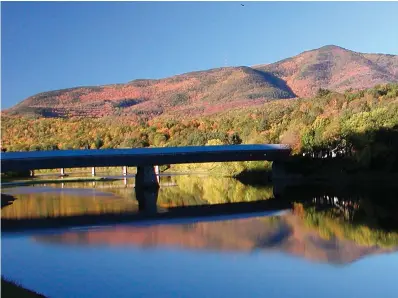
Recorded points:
(10, 289)
(61, 180)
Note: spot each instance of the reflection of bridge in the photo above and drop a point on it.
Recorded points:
(144, 159)
(147, 210)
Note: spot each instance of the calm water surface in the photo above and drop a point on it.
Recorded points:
(325, 246)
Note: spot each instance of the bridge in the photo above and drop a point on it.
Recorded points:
(145, 159)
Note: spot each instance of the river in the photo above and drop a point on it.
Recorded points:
(330, 242)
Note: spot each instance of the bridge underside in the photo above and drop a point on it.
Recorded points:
(146, 160)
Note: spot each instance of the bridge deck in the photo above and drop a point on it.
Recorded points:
(16, 161)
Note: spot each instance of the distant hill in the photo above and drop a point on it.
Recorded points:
(220, 89)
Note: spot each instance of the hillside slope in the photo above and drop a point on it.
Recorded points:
(193, 93)
(207, 92)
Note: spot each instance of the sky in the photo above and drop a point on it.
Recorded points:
(53, 45)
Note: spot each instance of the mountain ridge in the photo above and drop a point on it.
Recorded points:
(209, 91)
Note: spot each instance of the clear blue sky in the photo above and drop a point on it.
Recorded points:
(47, 46)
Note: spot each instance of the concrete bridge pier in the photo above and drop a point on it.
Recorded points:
(147, 177)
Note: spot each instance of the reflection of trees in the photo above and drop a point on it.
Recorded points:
(119, 196)
(196, 190)
(343, 206)
(55, 204)
(339, 222)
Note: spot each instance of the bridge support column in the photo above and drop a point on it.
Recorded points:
(32, 173)
(124, 171)
(147, 177)
(93, 171)
(62, 172)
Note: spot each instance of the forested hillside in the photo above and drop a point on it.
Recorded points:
(364, 123)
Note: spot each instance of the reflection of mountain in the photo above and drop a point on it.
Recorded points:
(288, 234)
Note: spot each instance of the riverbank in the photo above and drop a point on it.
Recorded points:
(302, 170)
(12, 290)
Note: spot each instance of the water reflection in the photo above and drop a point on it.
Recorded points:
(147, 200)
(196, 257)
(293, 234)
(67, 199)
(48, 202)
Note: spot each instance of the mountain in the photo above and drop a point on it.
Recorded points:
(334, 68)
(220, 89)
(192, 93)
